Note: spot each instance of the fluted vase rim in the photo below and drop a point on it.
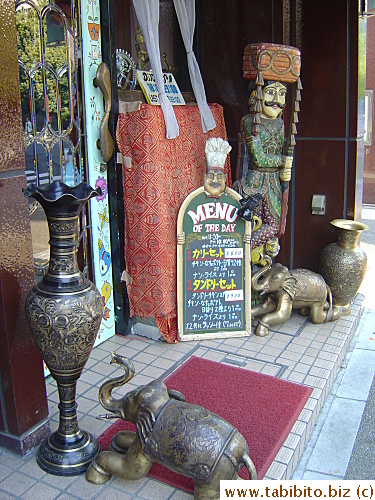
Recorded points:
(349, 225)
(57, 190)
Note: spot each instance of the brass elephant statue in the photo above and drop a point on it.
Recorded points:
(286, 290)
(183, 437)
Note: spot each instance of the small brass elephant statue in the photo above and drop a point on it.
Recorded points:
(183, 437)
(286, 290)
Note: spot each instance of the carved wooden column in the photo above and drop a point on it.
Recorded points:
(23, 402)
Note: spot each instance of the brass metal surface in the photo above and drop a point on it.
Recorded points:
(64, 311)
(183, 437)
(343, 264)
(286, 290)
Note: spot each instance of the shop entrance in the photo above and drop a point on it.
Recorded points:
(59, 53)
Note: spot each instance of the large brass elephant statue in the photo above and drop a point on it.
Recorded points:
(183, 437)
(286, 290)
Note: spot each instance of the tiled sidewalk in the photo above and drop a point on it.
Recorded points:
(298, 351)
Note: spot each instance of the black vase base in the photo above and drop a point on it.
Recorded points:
(68, 459)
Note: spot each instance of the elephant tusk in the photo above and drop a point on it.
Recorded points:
(107, 416)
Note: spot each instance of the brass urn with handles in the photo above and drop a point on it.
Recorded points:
(64, 311)
(343, 264)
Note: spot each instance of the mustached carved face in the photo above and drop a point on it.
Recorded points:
(273, 101)
(214, 181)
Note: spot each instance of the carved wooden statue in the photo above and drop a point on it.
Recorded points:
(263, 167)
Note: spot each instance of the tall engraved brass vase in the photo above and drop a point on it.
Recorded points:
(343, 265)
(64, 311)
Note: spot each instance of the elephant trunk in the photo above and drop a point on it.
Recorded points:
(105, 392)
(260, 287)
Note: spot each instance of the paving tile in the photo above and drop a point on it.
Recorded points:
(163, 363)
(333, 448)
(17, 483)
(309, 360)
(144, 358)
(247, 351)
(31, 468)
(272, 351)
(309, 475)
(155, 489)
(332, 349)
(83, 489)
(5, 496)
(11, 460)
(290, 355)
(312, 352)
(302, 368)
(4, 472)
(110, 493)
(181, 495)
(358, 376)
(271, 370)
(85, 405)
(126, 351)
(60, 482)
(140, 379)
(175, 355)
(324, 363)
(265, 357)
(320, 372)
(131, 487)
(316, 344)
(296, 377)
(41, 491)
(82, 387)
(106, 369)
(214, 355)
(90, 423)
(296, 346)
(256, 366)
(284, 455)
(153, 372)
(157, 348)
(329, 356)
(311, 404)
(92, 378)
(276, 471)
(236, 342)
(99, 354)
(292, 441)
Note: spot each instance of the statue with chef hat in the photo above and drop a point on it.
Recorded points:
(214, 179)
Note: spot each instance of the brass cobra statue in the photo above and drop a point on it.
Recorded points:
(286, 290)
(183, 437)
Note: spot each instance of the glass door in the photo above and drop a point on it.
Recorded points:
(62, 112)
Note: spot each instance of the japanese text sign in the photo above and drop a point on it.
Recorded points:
(213, 267)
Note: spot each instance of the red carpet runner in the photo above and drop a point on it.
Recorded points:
(263, 408)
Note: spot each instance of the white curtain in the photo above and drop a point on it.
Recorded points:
(185, 10)
(147, 12)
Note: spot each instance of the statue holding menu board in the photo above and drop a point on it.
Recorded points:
(263, 166)
(213, 256)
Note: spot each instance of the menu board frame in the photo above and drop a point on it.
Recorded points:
(241, 237)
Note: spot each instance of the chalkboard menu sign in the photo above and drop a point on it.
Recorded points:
(213, 267)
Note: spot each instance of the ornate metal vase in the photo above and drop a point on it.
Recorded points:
(343, 265)
(64, 311)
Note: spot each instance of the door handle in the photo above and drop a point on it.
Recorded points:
(103, 81)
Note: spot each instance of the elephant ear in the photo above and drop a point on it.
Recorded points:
(173, 394)
(145, 424)
(290, 285)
